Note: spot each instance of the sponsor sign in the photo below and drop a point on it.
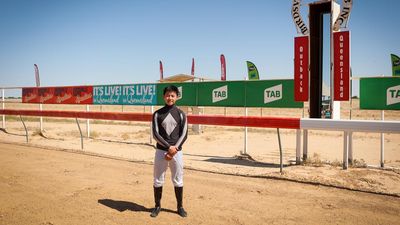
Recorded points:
(343, 18)
(30, 95)
(341, 63)
(271, 93)
(298, 21)
(220, 94)
(381, 93)
(58, 95)
(301, 72)
(134, 94)
(231, 93)
(187, 97)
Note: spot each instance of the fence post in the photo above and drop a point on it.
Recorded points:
(298, 146)
(350, 147)
(41, 118)
(88, 123)
(80, 131)
(345, 150)
(382, 142)
(245, 134)
(305, 144)
(3, 107)
(280, 152)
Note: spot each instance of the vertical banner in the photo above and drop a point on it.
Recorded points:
(395, 65)
(161, 71)
(223, 67)
(341, 63)
(37, 78)
(252, 71)
(192, 71)
(301, 73)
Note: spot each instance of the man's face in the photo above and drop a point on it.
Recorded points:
(170, 98)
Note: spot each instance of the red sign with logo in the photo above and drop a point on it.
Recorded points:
(341, 63)
(30, 95)
(58, 95)
(301, 72)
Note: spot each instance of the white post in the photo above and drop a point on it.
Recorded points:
(382, 142)
(245, 134)
(3, 107)
(151, 132)
(345, 150)
(88, 123)
(41, 118)
(350, 147)
(298, 145)
(305, 144)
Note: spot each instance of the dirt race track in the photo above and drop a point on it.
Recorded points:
(40, 186)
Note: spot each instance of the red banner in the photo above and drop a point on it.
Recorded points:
(161, 71)
(30, 95)
(341, 63)
(192, 71)
(58, 95)
(223, 67)
(301, 73)
(82, 95)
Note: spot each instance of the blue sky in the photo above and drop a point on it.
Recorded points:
(90, 42)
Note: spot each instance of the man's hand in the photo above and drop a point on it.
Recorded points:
(171, 152)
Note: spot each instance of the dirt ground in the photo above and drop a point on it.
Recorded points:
(41, 186)
(51, 180)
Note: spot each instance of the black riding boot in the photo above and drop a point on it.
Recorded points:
(179, 197)
(157, 200)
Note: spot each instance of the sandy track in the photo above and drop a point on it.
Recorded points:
(41, 186)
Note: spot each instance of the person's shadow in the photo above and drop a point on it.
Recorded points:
(123, 205)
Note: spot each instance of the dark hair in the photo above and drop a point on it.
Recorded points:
(171, 88)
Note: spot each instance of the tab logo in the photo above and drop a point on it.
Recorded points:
(180, 93)
(220, 94)
(393, 95)
(273, 94)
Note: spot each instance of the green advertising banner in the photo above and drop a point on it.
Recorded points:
(271, 93)
(188, 93)
(223, 93)
(382, 93)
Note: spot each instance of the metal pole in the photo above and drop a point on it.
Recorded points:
(3, 107)
(41, 118)
(280, 152)
(298, 145)
(88, 123)
(382, 142)
(245, 134)
(345, 150)
(305, 144)
(80, 131)
(26, 130)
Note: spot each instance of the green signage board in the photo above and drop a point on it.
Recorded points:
(188, 93)
(381, 93)
(271, 93)
(221, 93)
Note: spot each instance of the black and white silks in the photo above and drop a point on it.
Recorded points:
(169, 127)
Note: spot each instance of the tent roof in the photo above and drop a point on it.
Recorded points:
(180, 78)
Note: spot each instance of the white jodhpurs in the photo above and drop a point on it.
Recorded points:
(161, 165)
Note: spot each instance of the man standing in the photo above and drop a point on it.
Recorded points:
(170, 131)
